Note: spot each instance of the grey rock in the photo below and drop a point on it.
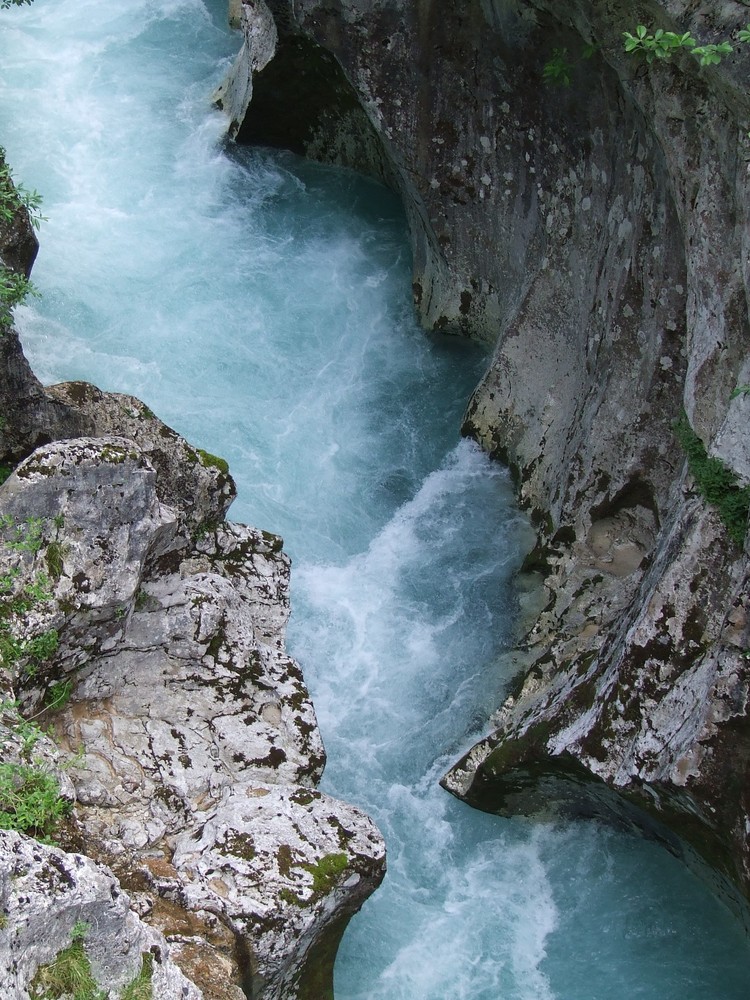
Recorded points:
(45, 894)
(170, 632)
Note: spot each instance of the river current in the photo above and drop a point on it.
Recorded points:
(261, 305)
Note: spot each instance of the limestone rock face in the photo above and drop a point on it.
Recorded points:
(596, 236)
(45, 894)
(188, 733)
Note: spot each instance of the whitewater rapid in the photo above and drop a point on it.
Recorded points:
(262, 306)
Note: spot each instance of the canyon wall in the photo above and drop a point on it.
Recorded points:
(590, 224)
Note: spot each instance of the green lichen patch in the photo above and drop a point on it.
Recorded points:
(117, 455)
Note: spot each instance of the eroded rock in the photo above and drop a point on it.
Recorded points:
(47, 895)
(180, 700)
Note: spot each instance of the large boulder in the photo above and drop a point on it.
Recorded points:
(150, 639)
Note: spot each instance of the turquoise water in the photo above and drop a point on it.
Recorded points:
(261, 306)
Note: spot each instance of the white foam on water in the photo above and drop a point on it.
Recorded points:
(262, 306)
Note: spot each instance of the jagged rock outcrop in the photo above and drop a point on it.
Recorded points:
(29, 416)
(596, 236)
(145, 633)
(187, 712)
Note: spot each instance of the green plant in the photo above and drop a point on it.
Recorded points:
(69, 975)
(741, 390)
(558, 68)
(39, 649)
(28, 534)
(208, 461)
(55, 557)
(14, 289)
(663, 44)
(140, 988)
(5, 471)
(15, 198)
(58, 695)
(6, 4)
(30, 800)
(716, 483)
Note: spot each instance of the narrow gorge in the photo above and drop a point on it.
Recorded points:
(494, 203)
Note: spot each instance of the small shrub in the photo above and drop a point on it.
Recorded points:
(558, 68)
(663, 44)
(141, 988)
(30, 801)
(14, 198)
(58, 695)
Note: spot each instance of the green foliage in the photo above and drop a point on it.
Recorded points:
(16, 601)
(14, 289)
(6, 4)
(30, 800)
(663, 44)
(15, 198)
(558, 68)
(58, 695)
(741, 390)
(717, 484)
(26, 536)
(5, 471)
(208, 461)
(69, 975)
(141, 988)
(55, 557)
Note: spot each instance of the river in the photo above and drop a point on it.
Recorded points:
(261, 305)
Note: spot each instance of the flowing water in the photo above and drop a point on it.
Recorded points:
(261, 305)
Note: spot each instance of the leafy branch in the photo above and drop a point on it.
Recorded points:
(663, 44)
(558, 68)
(15, 198)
